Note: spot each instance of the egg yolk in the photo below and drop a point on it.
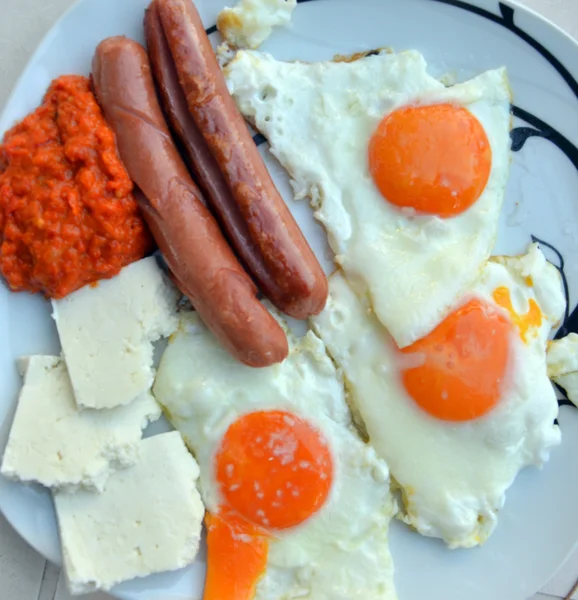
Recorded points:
(274, 469)
(236, 559)
(460, 366)
(434, 159)
(526, 322)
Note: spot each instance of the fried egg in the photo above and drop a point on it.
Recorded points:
(250, 22)
(298, 506)
(563, 364)
(457, 414)
(407, 175)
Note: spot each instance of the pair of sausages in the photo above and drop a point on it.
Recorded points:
(230, 172)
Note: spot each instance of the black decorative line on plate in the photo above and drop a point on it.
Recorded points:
(507, 20)
(259, 139)
(539, 128)
(211, 29)
(564, 401)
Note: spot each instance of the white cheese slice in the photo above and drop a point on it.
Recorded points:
(563, 364)
(250, 22)
(51, 442)
(147, 520)
(107, 333)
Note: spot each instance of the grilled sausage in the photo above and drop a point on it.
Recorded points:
(203, 265)
(205, 169)
(294, 279)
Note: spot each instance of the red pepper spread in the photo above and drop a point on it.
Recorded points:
(67, 213)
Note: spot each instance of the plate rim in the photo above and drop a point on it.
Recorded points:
(76, 5)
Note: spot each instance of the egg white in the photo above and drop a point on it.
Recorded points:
(563, 364)
(339, 553)
(319, 118)
(250, 22)
(453, 475)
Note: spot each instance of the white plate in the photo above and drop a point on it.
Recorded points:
(539, 524)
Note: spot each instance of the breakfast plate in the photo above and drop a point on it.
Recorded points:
(539, 523)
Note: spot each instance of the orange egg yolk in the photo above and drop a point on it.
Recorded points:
(236, 559)
(461, 365)
(274, 469)
(434, 159)
(525, 323)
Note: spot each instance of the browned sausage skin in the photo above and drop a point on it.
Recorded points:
(196, 252)
(300, 288)
(205, 169)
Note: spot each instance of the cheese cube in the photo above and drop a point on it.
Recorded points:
(107, 332)
(147, 520)
(54, 444)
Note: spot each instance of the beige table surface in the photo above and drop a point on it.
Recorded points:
(24, 575)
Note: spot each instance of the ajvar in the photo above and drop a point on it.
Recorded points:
(67, 213)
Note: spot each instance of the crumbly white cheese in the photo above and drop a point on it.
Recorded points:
(147, 520)
(563, 364)
(250, 22)
(51, 442)
(107, 333)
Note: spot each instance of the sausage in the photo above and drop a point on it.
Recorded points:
(205, 169)
(203, 265)
(300, 286)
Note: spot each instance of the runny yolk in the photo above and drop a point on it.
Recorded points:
(435, 159)
(526, 322)
(237, 557)
(274, 469)
(461, 364)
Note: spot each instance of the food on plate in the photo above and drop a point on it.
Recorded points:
(350, 132)
(298, 505)
(563, 364)
(205, 168)
(107, 334)
(250, 22)
(53, 443)
(67, 213)
(459, 413)
(147, 520)
(294, 280)
(202, 264)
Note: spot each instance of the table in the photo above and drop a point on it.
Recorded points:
(24, 575)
